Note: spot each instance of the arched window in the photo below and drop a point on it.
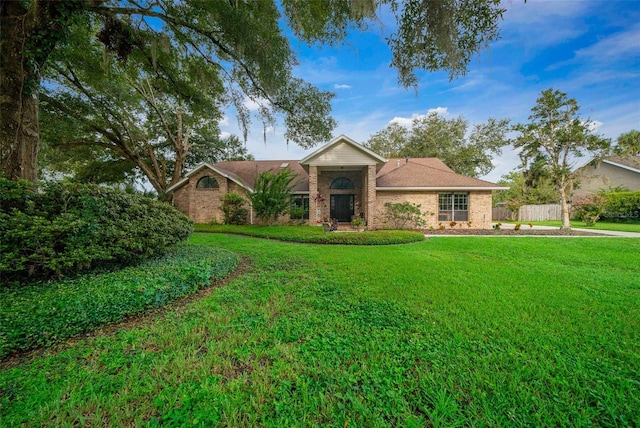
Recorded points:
(341, 183)
(207, 182)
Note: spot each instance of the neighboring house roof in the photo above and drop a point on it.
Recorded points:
(632, 163)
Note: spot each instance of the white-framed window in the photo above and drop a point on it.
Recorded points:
(453, 206)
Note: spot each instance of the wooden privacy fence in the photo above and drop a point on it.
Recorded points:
(529, 213)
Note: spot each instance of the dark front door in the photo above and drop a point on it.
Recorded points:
(342, 207)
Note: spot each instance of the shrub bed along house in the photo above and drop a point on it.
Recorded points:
(46, 313)
(622, 205)
(66, 228)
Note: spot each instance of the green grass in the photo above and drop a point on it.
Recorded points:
(46, 313)
(444, 332)
(316, 234)
(600, 225)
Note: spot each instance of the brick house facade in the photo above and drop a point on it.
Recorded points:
(342, 180)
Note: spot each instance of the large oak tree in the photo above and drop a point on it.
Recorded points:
(240, 43)
(127, 115)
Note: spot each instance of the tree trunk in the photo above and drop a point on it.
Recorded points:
(30, 32)
(19, 81)
(566, 221)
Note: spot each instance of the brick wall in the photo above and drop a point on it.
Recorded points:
(204, 205)
(427, 200)
(479, 208)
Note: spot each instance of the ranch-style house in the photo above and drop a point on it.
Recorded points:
(341, 180)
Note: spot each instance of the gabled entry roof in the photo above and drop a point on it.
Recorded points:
(342, 151)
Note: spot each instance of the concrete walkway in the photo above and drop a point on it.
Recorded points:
(598, 233)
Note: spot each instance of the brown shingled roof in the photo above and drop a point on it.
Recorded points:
(245, 172)
(396, 173)
(424, 172)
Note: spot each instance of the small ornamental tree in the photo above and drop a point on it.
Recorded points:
(233, 207)
(555, 136)
(403, 215)
(589, 208)
(271, 197)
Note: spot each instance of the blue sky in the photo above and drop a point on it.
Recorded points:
(588, 49)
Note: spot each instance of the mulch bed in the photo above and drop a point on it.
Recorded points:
(525, 231)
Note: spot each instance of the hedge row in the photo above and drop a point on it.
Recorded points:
(316, 234)
(42, 315)
(622, 205)
(66, 228)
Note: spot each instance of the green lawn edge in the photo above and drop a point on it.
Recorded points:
(601, 225)
(315, 234)
(43, 314)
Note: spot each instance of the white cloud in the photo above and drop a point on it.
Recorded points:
(337, 86)
(539, 24)
(442, 111)
(225, 134)
(251, 105)
(407, 121)
(619, 45)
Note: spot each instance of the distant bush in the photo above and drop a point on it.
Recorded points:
(66, 228)
(44, 314)
(622, 205)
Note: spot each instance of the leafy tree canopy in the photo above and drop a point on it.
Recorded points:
(117, 120)
(628, 144)
(555, 136)
(447, 139)
(227, 50)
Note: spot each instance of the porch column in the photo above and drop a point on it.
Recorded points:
(313, 191)
(371, 196)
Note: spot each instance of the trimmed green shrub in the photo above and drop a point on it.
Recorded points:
(44, 314)
(233, 207)
(622, 205)
(66, 228)
(316, 235)
(403, 215)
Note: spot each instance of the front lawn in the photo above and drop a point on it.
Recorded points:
(444, 332)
